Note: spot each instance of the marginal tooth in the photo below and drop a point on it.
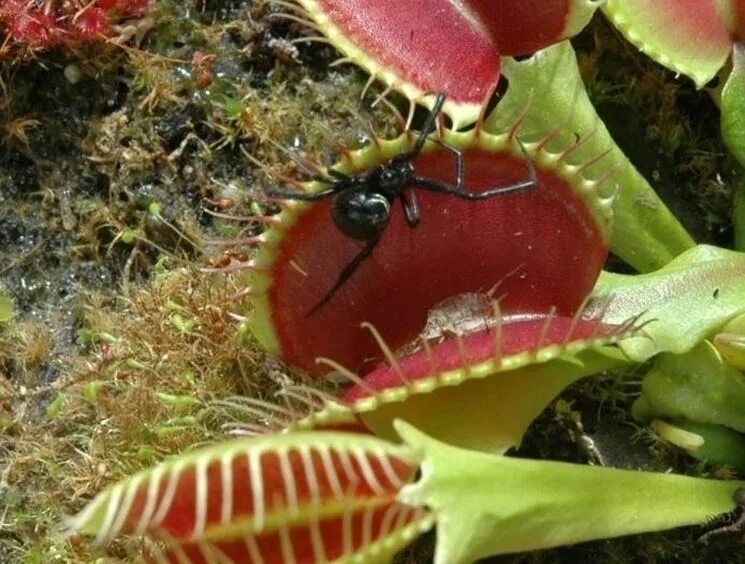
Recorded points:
(310, 39)
(340, 61)
(386, 350)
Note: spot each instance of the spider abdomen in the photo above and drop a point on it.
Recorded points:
(361, 214)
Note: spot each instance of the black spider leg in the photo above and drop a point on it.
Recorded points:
(338, 183)
(457, 189)
(411, 207)
(428, 126)
(345, 274)
(735, 527)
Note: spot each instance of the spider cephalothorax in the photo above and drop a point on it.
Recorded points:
(361, 207)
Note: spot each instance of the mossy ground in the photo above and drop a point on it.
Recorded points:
(119, 337)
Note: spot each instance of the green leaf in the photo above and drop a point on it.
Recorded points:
(733, 132)
(548, 88)
(55, 406)
(739, 216)
(733, 106)
(512, 398)
(684, 302)
(490, 504)
(697, 386)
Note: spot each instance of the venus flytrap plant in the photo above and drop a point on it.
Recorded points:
(583, 180)
(319, 494)
(488, 504)
(482, 504)
(697, 402)
(693, 396)
(698, 386)
(547, 88)
(561, 236)
(710, 443)
(517, 365)
(44, 25)
(690, 299)
(733, 126)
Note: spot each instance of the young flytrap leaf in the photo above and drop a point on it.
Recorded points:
(487, 504)
(699, 395)
(445, 46)
(685, 302)
(44, 25)
(509, 246)
(697, 386)
(548, 88)
(712, 444)
(299, 497)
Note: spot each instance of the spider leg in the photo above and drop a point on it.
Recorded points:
(429, 124)
(442, 188)
(331, 176)
(308, 167)
(345, 274)
(458, 191)
(523, 186)
(459, 167)
(411, 208)
(427, 128)
(341, 183)
(337, 175)
(305, 196)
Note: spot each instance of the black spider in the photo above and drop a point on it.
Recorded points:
(362, 204)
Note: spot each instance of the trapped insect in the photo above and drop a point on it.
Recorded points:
(362, 203)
